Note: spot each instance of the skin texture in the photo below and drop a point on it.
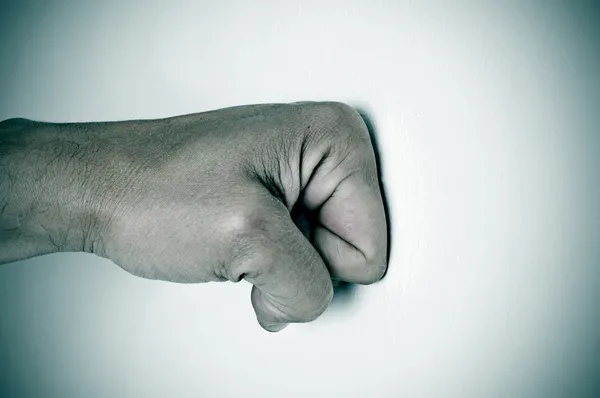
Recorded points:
(212, 196)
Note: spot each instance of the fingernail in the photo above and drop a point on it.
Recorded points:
(276, 327)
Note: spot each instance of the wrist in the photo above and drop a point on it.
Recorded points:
(51, 179)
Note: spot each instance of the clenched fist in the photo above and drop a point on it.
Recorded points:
(285, 196)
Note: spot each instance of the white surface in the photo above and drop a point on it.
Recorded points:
(487, 118)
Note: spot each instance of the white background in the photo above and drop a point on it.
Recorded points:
(487, 121)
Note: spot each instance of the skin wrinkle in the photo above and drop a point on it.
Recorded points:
(202, 197)
(301, 161)
(344, 241)
(318, 142)
(316, 171)
(242, 252)
(285, 174)
(271, 183)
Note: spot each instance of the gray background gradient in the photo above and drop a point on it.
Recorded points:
(487, 115)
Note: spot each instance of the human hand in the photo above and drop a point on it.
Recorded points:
(213, 197)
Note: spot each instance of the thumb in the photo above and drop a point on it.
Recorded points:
(291, 282)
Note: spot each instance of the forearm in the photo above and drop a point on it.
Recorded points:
(57, 184)
(40, 210)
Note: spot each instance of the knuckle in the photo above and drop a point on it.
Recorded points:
(245, 220)
(334, 108)
(246, 234)
(340, 129)
(335, 113)
(341, 126)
